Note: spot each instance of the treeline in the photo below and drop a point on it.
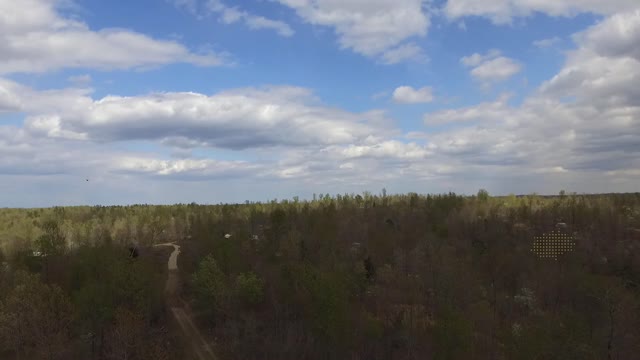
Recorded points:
(347, 276)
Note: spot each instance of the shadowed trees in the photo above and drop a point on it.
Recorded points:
(36, 319)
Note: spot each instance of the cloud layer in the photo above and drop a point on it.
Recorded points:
(580, 126)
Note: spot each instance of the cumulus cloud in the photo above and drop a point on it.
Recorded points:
(503, 11)
(409, 95)
(376, 28)
(616, 36)
(491, 66)
(605, 68)
(35, 37)
(580, 123)
(235, 119)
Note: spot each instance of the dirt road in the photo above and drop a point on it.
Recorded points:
(199, 346)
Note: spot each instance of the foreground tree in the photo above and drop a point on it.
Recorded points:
(36, 319)
(210, 287)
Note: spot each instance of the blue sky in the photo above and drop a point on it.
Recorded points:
(219, 101)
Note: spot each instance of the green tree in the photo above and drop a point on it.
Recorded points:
(483, 195)
(52, 241)
(249, 288)
(210, 287)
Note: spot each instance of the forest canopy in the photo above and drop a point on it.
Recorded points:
(347, 276)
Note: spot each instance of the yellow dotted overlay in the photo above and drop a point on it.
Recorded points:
(553, 244)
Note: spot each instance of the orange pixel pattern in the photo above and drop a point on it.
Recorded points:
(553, 244)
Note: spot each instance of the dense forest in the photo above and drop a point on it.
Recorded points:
(340, 277)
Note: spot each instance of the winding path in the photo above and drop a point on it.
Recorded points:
(199, 345)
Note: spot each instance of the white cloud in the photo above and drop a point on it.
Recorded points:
(498, 69)
(385, 149)
(545, 43)
(579, 125)
(377, 28)
(230, 15)
(10, 98)
(402, 53)
(491, 66)
(259, 22)
(544, 133)
(23, 154)
(15, 97)
(409, 95)
(484, 113)
(34, 37)
(579, 131)
(477, 59)
(605, 68)
(597, 79)
(185, 169)
(189, 5)
(503, 11)
(242, 118)
(616, 36)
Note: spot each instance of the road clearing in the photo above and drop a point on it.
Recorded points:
(200, 347)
